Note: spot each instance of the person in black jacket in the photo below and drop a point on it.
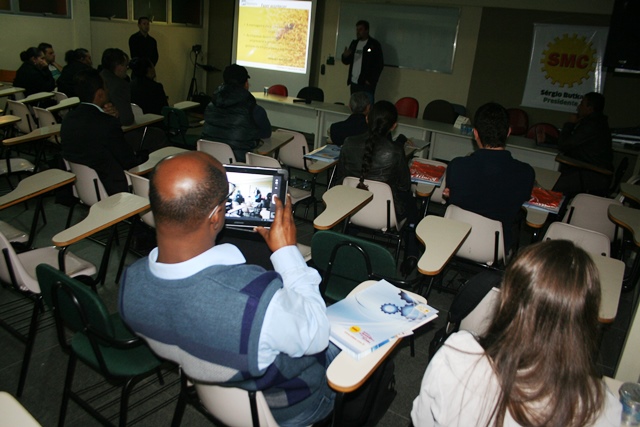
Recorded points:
(586, 137)
(376, 157)
(77, 60)
(365, 60)
(356, 123)
(93, 137)
(34, 75)
(233, 117)
(145, 91)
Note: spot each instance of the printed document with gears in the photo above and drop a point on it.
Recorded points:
(367, 320)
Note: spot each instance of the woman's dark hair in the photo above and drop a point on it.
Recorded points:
(32, 52)
(140, 66)
(75, 55)
(543, 339)
(112, 57)
(382, 116)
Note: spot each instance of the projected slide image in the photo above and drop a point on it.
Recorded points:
(274, 35)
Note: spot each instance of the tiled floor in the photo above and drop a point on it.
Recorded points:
(44, 383)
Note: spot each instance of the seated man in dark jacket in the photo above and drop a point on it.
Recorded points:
(586, 137)
(92, 137)
(356, 123)
(233, 117)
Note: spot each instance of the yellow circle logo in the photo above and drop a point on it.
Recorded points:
(568, 60)
(355, 329)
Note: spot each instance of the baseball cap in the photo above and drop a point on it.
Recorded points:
(235, 73)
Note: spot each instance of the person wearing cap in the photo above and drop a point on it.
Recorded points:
(233, 116)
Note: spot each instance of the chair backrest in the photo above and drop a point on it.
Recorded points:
(311, 92)
(292, 153)
(379, 213)
(88, 185)
(480, 317)
(140, 185)
(547, 128)
(219, 150)
(460, 109)
(12, 270)
(7, 75)
(436, 196)
(485, 242)
(408, 107)
(278, 90)
(45, 118)
(347, 261)
(590, 241)
(518, 121)
(59, 96)
(254, 159)
(591, 212)
(27, 123)
(175, 119)
(440, 110)
(76, 307)
(137, 111)
(232, 406)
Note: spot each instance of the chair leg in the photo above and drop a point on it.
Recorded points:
(31, 338)
(124, 400)
(66, 394)
(70, 215)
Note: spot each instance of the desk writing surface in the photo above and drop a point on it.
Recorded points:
(185, 105)
(155, 158)
(275, 142)
(611, 273)
(11, 91)
(628, 218)
(65, 103)
(36, 97)
(341, 201)
(441, 237)
(346, 373)
(35, 185)
(102, 215)
(13, 413)
(631, 191)
(8, 120)
(40, 133)
(142, 121)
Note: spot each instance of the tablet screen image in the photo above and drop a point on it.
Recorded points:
(251, 202)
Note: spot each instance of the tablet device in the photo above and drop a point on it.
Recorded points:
(252, 190)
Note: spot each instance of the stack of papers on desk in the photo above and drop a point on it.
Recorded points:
(546, 200)
(427, 173)
(328, 153)
(367, 320)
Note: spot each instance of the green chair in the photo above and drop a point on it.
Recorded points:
(348, 261)
(177, 124)
(100, 340)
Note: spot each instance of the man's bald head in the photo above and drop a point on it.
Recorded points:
(185, 188)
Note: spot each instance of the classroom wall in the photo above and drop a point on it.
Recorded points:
(174, 68)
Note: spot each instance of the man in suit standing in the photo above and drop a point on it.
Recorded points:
(365, 60)
(92, 136)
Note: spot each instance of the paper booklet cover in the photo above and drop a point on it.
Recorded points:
(329, 152)
(545, 200)
(367, 320)
(426, 172)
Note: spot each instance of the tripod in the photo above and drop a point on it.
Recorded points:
(193, 86)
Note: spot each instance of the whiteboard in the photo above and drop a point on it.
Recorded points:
(418, 37)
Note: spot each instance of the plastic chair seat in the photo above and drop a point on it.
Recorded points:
(74, 265)
(13, 234)
(17, 165)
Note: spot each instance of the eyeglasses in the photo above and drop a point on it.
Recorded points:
(232, 189)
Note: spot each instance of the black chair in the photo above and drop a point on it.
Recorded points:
(440, 110)
(177, 124)
(311, 92)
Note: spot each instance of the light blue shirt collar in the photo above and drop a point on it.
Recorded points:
(224, 254)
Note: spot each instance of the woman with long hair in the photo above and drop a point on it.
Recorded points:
(34, 75)
(376, 157)
(535, 364)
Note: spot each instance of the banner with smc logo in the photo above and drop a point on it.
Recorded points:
(566, 63)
